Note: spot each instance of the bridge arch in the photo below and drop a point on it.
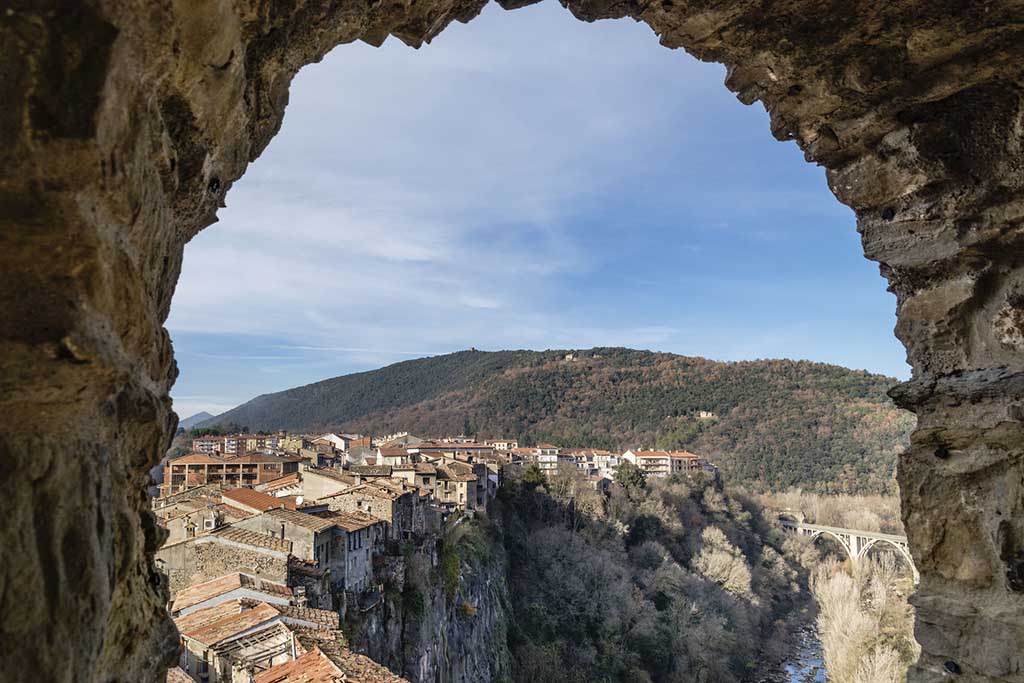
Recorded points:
(901, 548)
(845, 542)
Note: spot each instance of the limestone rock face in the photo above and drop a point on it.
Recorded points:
(125, 122)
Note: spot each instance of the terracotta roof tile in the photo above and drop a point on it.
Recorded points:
(211, 625)
(255, 499)
(253, 538)
(306, 521)
(349, 521)
(200, 592)
(312, 667)
(176, 675)
(324, 617)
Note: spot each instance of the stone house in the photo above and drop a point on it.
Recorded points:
(320, 483)
(421, 474)
(310, 537)
(392, 455)
(456, 485)
(197, 517)
(357, 537)
(391, 500)
(223, 551)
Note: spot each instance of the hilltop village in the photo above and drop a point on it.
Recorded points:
(273, 539)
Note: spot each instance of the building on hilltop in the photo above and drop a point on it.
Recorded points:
(198, 469)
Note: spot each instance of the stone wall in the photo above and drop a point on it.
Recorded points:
(208, 557)
(125, 123)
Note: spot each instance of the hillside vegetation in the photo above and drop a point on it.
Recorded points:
(778, 423)
(668, 581)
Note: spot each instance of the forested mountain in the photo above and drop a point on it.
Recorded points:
(776, 424)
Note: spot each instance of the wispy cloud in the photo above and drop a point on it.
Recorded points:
(526, 181)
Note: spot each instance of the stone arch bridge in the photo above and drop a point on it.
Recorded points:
(856, 543)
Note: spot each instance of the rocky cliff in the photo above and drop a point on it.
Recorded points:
(444, 614)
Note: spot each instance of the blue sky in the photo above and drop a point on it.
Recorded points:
(526, 181)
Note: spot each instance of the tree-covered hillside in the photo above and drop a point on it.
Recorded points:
(776, 424)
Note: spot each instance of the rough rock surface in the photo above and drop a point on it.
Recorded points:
(126, 121)
(435, 638)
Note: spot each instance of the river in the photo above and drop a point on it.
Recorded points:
(805, 663)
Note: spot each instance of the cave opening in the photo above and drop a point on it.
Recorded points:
(125, 125)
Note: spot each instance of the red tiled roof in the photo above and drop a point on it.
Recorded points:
(280, 482)
(317, 666)
(349, 521)
(312, 667)
(176, 675)
(253, 538)
(211, 625)
(323, 617)
(302, 519)
(456, 471)
(255, 499)
(421, 467)
(201, 592)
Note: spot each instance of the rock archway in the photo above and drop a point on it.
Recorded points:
(124, 124)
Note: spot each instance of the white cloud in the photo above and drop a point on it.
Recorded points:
(438, 199)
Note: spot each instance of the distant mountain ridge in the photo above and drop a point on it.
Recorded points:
(193, 420)
(768, 423)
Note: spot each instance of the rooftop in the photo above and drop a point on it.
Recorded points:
(324, 617)
(201, 592)
(255, 499)
(451, 446)
(331, 473)
(349, 521)
(176, 675)
(302, 519)
(212, 625)
(421, 467)
(371, 470)
(196, 459)
(253, 538)
(312, 667)
(456, 471)
(327, 661)
(280, 482)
